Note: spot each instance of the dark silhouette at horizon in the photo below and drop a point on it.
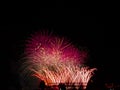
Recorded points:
(42, 85)
(62, 86)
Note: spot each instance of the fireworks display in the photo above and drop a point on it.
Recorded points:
(54, 60)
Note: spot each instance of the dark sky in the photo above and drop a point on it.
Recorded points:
(85, 31)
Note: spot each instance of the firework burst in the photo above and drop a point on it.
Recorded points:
(55, 61)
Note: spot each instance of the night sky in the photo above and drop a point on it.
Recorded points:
(83, 31)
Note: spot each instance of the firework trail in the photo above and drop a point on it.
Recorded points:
(54, 60)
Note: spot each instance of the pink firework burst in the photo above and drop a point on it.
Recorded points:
(54, 60)
(41, 45)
